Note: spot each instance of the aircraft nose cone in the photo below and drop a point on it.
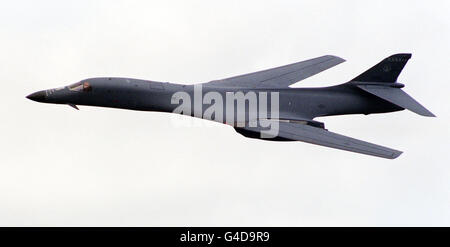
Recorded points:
(37, 96)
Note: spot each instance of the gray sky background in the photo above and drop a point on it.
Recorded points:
(110, 167)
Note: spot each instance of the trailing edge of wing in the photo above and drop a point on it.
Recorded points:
(281, 76)
(318, 136)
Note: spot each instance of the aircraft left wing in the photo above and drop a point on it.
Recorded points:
(280, 77)
(319, 136)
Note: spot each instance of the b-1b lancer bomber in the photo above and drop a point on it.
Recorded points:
(260, 104)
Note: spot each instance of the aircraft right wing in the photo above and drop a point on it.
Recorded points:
(322, 137)
(280, 77)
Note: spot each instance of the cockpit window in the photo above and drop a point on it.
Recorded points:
(80, 87)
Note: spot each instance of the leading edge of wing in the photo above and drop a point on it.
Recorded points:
(282, 76)
(322, 137)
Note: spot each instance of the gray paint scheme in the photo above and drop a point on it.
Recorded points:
(282, 76)
(374, 91)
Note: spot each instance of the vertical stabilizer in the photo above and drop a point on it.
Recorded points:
(381, 81)
(386, 71)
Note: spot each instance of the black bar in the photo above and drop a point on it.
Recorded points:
(227, 236)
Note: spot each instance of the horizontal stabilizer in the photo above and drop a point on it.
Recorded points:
(398, 97)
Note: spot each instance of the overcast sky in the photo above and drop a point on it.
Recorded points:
(111, 167)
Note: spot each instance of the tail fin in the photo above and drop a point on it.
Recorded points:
(381, 81)
(387, 70)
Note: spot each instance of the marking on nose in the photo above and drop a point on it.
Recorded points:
(49, 92)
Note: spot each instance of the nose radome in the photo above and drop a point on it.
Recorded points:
(37, 96)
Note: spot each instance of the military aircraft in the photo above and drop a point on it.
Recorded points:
(293, 109)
